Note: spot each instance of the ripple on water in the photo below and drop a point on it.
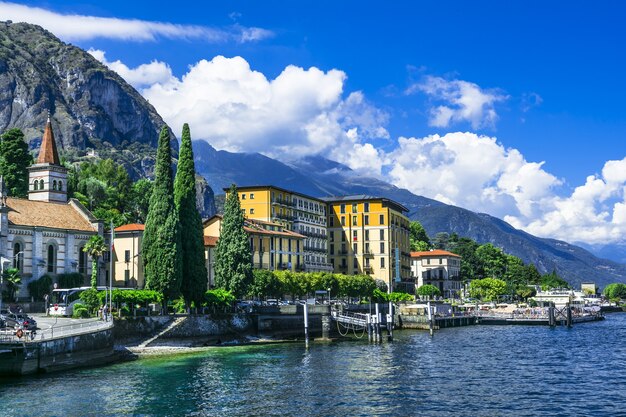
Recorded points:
(470, 371)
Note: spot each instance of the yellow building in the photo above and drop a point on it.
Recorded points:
(364, 233)
(272, 245)
(296, 212)
(127, 262)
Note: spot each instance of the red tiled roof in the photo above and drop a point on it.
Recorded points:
(436, 252)
(48, 151)
(210, 241)
(132, 227)
(24, 212)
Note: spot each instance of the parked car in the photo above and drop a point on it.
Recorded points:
(20, 320)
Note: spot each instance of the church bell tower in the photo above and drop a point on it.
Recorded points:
(47, 178)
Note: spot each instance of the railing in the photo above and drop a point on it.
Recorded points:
(81, 327)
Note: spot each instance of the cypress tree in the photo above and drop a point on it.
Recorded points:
(14, 161)
(233, 260)
(194, 272)
(161, 238)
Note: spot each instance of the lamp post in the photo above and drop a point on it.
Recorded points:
(329, 296)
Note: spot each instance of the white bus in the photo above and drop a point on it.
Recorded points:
(63, 300)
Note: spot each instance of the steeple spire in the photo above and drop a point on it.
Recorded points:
(48, 152)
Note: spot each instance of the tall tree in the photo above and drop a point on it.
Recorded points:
(95, 247)
(194, 272)
(14, 161)
(418, 237)
(161, 239)
(233, 260)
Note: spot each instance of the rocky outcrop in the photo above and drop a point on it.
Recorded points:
(90, 106)
(205, 199)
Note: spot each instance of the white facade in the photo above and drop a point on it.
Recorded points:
(439, 268)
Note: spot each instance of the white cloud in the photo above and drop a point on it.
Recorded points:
(73, 27)
(470, 171)
(595, 212)
(142, 76)
(306, 112)
(300, 112)
(462, 101)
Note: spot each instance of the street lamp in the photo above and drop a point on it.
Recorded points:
(329, 296)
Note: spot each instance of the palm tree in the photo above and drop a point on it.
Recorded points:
(13, 279)
(95, 248)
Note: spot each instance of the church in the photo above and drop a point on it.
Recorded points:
(45, 233)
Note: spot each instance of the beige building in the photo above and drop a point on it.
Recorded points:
(439, 268)
(272, 245)
(365, 233)
(127, 262)
(46, 233)
(297, 212)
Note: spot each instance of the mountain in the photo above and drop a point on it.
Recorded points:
(90, 106)
(321, 177)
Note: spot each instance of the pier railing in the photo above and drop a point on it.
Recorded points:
(54, 332)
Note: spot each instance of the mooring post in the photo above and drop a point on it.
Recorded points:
(390, 322)
(325, 326)
(551, 319)
(306, 324)
(569, 315)
(430, 319)
(377, 324)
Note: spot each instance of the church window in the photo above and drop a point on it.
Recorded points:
(36, 185)
(41, 184)
(51, 259)
(54, 184)
(60, 186)
(82, 260)
(18, 257)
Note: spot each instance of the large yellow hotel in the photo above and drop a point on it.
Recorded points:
(366, 235)
(351, 235)
(296, 212)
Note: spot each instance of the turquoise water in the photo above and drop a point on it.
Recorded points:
(469, 371)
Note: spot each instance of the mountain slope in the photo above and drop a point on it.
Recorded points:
(318, 176)
(90, 106)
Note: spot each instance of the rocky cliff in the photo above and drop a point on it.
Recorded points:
(90, 106)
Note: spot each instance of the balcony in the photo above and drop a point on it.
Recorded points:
(342, 252)
(368, 269)
(368, 253)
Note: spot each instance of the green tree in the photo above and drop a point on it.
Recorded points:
(14, 161)
(488, 289)
(95, 247)
(492, 260)
(265, 284)
(441, 241)
(553, 280)
(140, 201)
(233, 260)
(615, 291)
(13, 280)
(161, 239)
(418, 237)
(194, 279)
(429, 291)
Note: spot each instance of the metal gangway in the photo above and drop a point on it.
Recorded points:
(360, 323)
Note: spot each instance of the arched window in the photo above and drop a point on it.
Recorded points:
(51, 259)
(18, 257)
(36, 185)
(82, 261)
(54, 184)
(60, 186)
(41, 184)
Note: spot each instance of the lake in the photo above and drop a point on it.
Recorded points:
(466, 371)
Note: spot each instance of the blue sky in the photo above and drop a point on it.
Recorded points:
(510, 108)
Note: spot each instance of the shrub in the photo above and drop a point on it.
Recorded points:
(80, 312)
(90, 299)
(428, 290)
